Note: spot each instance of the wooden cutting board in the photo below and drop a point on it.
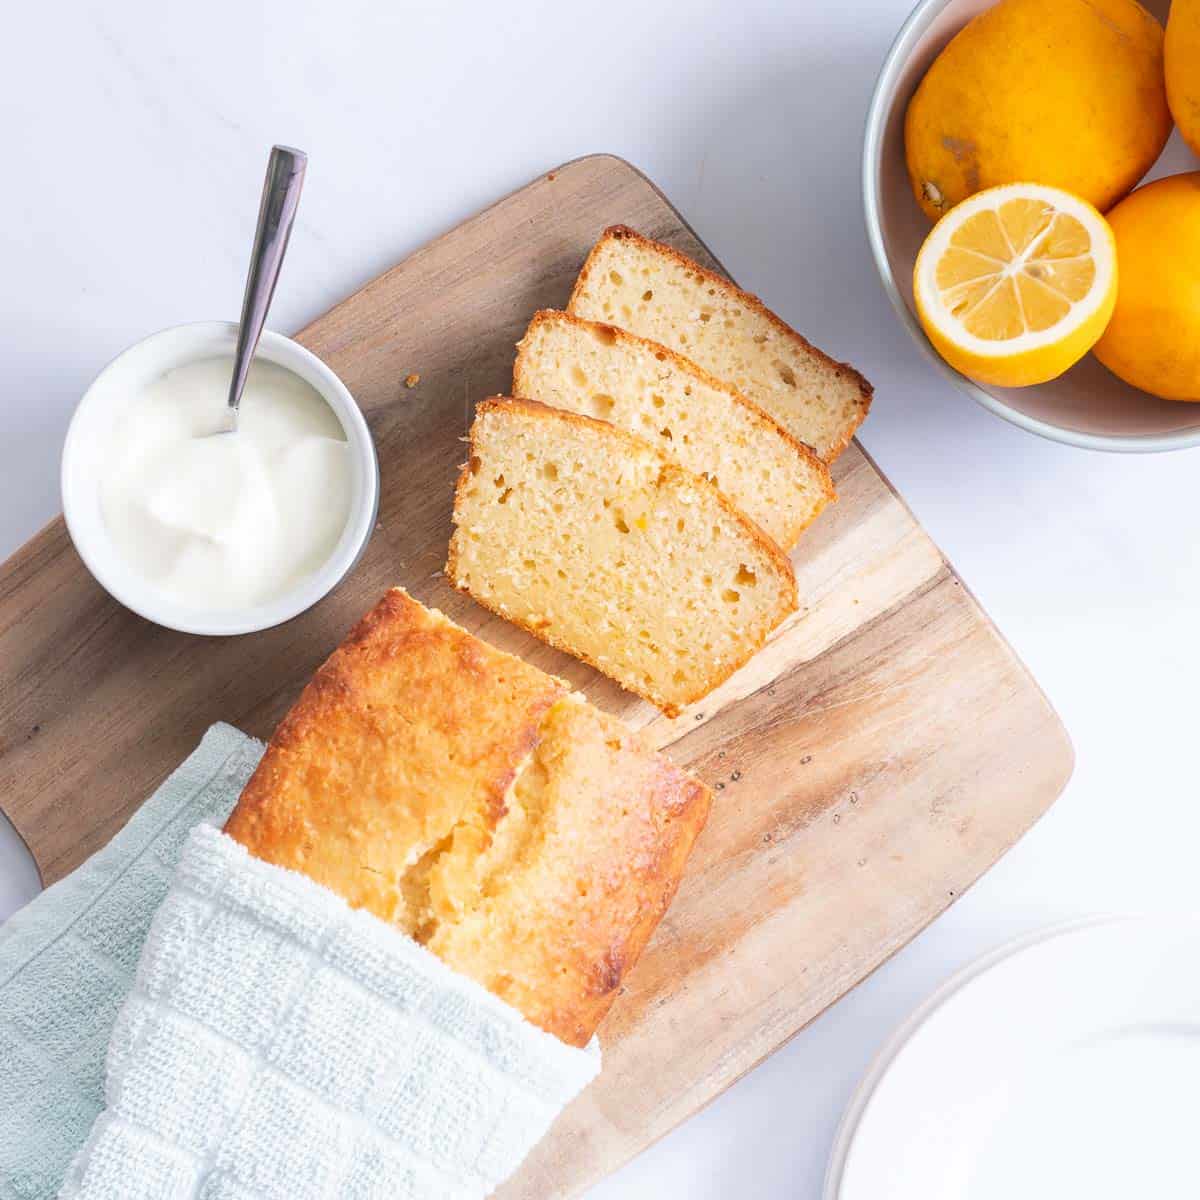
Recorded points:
(881, 752)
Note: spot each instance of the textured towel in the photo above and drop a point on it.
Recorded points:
(276, 1043)
(67, 961)
(279, 1045)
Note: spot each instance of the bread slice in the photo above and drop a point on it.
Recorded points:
(658, 293)
(696, 420)
(527, 839)
(591, 539)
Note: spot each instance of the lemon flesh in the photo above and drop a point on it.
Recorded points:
(1016, 284)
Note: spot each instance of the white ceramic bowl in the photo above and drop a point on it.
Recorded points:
(1088, 406)
(94, 417)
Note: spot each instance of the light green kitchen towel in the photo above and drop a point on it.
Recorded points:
(67, 961)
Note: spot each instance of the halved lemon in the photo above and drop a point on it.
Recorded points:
(1016, 284)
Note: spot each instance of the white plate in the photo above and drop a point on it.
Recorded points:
(1064, 1065)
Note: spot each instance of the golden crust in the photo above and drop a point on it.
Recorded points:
(557, 937)
(462, 795)
(749, 300)
(765, 544)
(409, 727)
(768, 424)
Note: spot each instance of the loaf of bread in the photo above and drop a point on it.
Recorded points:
(658, 293)
(588, 537)
(527, 839)
(694, 419)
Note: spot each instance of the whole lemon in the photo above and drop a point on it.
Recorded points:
(1067, 93)
(1153, 339)
(1182, 50)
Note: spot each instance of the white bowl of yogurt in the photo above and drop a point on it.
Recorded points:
(225, 534)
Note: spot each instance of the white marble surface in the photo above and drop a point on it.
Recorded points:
(135, 139)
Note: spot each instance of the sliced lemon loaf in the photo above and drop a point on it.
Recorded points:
(703, 424)
(592, 540)
(658, 293)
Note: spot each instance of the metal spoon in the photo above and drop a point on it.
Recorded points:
(276, 213)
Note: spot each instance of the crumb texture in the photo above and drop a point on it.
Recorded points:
(588, 537)
(657, 293)
(467, 798)
(694, 419)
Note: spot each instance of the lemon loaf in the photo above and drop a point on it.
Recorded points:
(658, 293)
(464, 796)
(588, 537)
(696, 420)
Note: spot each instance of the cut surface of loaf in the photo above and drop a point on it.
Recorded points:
(528, 840)
(693, 418)
(655, 292)
(588, 537)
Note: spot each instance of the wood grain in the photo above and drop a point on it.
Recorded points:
(881, 752)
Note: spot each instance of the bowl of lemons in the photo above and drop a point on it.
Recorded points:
(1031, 183)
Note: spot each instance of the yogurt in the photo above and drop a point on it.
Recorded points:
(233, 521)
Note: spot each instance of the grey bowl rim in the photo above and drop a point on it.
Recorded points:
(917, 23)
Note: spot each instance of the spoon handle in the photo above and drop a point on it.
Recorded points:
(276, 213)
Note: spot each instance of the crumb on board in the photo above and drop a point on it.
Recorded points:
(412, 380)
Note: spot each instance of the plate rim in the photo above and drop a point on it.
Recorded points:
(903, 1033)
